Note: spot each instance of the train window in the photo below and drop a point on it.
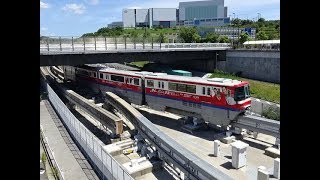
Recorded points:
(117, 78)
(203, 90)
(106, 76)
(101, 75)
(172, 86)
(130, 80)
(239, 94)
(95, 74)
(182, 87)
(191, 88)
(150, 83)
(208, 91)
(159, 84)
(136, 81)
(162, 85)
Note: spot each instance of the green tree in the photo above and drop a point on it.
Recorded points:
(244, 37)
(196, 38)
(188, 34)
(212, 37)
(261, 35)
(224, 39)
(146, 34)
(161, 38)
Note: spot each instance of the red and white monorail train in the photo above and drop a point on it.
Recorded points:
(216, 100)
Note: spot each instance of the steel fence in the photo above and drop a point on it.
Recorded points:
(74, 44)
(104, 163)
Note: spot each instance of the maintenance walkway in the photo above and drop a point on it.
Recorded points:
(69, 158)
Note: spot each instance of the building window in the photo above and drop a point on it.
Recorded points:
(117, 78)
(150, 83)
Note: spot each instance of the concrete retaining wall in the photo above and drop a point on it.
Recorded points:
(261, 65)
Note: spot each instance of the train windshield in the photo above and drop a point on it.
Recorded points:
(241, 93)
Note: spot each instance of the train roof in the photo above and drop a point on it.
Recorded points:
(198, 80)
(165, 76)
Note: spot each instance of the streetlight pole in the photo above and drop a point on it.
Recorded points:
(234, 17)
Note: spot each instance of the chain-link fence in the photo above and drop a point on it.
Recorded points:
(106, 166)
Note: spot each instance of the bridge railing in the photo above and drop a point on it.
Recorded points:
(68, 44)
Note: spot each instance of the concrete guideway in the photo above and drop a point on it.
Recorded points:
(67, 163)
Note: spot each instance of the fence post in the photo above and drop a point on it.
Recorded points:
(160, 44)
(134, 44)
(115, 42)
(125, 42)
(84, 44)
(48, 43)
(105, 42)
(60, 43)
(95, 43)
(72, 43)
(151, 42)
(143, 43)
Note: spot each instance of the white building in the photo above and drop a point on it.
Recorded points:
(152, 17)
(203, 13)
(195, 13)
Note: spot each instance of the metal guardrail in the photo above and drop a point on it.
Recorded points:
(104, 163)
(78, 44)
(259, 124)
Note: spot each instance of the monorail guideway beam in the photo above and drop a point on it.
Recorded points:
(258, 124)
(169, 150)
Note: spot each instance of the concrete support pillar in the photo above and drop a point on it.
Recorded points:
(216, 147)
(263, 174)
(276, 168)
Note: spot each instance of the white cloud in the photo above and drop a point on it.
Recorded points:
(92, 2)
(44, 5)
(75, 8)
(44, 29)
(135, 7)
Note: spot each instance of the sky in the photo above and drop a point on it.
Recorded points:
(76, 17)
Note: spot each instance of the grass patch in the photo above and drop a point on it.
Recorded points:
(44, 158)
(55, 172)
(139, 64)
(258, 89)
(272, 113)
